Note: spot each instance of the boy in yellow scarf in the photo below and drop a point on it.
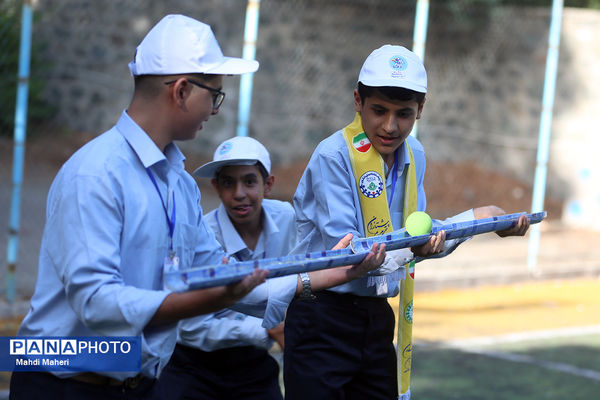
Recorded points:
(365, 179)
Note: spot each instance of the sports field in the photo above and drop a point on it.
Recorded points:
(534, 340)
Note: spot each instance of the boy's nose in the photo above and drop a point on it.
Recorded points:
(390, 124)
(239, 191)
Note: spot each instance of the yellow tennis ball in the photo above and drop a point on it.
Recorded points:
(418, 223)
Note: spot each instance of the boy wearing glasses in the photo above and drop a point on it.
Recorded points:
(122, 209)
(224, 355)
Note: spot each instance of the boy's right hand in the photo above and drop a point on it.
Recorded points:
(238, 290)
(371, 262)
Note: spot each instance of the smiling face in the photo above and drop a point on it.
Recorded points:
(387, 123)
(242, 189)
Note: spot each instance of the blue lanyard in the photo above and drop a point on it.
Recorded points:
(170, 221)
(394, 177)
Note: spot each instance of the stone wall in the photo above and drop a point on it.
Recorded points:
(486, 74)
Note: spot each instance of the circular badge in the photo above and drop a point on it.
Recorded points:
(225, 148)
(371, 184)
(408, 312)
(398, 63)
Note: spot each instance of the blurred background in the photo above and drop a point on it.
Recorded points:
(486, 62)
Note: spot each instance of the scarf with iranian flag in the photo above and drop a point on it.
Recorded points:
(368, 170)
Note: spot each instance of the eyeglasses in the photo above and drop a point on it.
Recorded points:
(217, 95)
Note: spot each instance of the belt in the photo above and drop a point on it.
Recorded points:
(101, 380)
(349, 299)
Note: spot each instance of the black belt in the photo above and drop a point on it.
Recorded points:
(101, 380)
(327, 296)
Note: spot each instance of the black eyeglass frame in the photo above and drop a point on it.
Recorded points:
(218, 95)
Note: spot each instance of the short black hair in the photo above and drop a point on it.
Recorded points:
(258, 164)
(391, 92)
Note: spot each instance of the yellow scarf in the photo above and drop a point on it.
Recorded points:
(368, 169)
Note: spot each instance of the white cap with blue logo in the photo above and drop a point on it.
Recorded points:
(239, 150)
(394, 66)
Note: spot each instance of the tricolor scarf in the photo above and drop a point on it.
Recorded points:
(368, 170)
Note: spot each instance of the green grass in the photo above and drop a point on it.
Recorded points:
(442, 373)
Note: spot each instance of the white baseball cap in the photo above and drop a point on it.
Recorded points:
(182, 45)
(239, 150)
(394, 66)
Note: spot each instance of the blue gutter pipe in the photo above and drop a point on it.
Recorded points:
(19, 149)
(249, 53)
(539, 186)
(420, 36)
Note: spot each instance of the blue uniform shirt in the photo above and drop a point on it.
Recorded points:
(105, 241)
(229, 328)
(327, 203)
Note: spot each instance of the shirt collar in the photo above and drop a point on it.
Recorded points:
(269, 225)
(403, 160)
(147, 151)
(232, 242)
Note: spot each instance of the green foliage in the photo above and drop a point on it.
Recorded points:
(38, 109)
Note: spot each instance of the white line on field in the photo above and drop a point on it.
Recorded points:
(556, 366)
(469, 345)
(523, 336)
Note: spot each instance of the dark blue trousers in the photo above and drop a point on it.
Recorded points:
(340, 346)
(45, 386)
(246, 373)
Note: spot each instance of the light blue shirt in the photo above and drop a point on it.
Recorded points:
(327, 203)
(105, 241)
(229, 328)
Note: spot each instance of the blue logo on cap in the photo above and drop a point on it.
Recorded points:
(398, 63)
(225, 148)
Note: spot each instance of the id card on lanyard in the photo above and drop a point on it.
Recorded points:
(171, 262)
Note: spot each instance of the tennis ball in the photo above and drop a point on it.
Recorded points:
(418, 223)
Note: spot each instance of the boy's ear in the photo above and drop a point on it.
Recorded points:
(357, 101)
(420, 110)
(269, 185)
(213, 181)
(180, 91)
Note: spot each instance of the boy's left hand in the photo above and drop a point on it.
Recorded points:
(436, 244)
(277, 335)
(492, 211)
(518, 230)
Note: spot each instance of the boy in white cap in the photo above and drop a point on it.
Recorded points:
(122, 209)
(365, 179)
(224, 355)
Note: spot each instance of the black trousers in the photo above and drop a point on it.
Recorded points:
(233, 373)
(340, 346)
(45, 386)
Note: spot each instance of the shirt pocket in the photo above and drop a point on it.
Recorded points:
(186, 238)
